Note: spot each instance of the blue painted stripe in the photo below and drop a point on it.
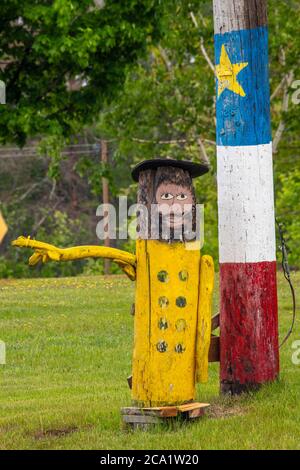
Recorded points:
(245, 120)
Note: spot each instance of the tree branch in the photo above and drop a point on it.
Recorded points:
(166, 60)
(31, 188)
(202, 47)
(284, 109)
(42, 220)
(203, 151)
(278, 88)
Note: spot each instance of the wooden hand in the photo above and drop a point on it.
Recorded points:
(42, 251)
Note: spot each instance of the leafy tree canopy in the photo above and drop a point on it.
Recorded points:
(165, 106)
(62, 59)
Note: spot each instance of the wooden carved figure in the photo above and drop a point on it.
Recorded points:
(174, 283)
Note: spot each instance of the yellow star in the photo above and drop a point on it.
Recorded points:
(227, 74)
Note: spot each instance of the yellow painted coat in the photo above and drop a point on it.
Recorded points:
(172, 322)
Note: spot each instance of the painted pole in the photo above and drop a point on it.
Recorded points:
(249, 353)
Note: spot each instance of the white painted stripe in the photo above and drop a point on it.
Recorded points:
(246, 204)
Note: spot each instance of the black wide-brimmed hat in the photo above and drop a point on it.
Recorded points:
(194, 169)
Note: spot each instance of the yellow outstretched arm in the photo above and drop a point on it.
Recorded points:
(45, 252)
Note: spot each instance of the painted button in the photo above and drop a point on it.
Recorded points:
(163, 276)
(162, 346)
(181, 302)
(183, 275)
(163, 302)
(163, 324)
(180, 325)
(179, 348)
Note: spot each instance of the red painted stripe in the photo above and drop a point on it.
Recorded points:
(249, 325)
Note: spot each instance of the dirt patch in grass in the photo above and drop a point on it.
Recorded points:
(227, 410)
(55, 432)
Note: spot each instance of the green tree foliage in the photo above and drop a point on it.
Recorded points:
(289, 213)
(61, 59)
(166, 107)
(33, 204)
(284, 24)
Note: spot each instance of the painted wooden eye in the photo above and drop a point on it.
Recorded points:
(166, 196)
(181, 197)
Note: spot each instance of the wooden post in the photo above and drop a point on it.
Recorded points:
(248, 293)
(174, 285)
(105, 191)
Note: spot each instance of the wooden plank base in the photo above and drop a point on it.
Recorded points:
(143, 418)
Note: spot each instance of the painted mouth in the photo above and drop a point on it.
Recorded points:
(175, 220)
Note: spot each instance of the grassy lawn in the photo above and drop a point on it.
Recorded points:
(69, 345)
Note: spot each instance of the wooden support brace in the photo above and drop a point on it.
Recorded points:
(139, 417)
(214, 349)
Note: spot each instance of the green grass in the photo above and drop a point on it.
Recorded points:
(69, 345)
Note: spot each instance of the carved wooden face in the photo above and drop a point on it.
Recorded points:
(174, 202)
(168, 193)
